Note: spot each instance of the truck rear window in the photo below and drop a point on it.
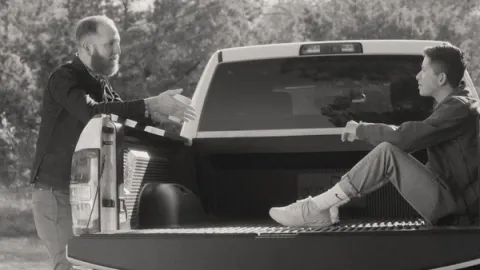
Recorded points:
(314, 92)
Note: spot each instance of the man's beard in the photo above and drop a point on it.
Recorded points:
(104, 66)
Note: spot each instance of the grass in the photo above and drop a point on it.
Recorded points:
(23, 253)
(16, 218)
(20, 247)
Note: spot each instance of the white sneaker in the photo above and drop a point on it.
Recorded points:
(304, 213)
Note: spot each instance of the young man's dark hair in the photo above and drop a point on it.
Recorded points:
(447, 59)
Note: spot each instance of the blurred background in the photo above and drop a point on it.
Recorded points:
(165, 45)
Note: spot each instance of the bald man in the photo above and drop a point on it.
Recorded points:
(77, 91)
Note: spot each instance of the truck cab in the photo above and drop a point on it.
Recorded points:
(267, 134)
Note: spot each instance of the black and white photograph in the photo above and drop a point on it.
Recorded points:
(239, 134)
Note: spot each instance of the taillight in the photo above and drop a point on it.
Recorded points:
(84, 193)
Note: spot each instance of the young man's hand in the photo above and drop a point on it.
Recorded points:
(166, 104)
(350, 131)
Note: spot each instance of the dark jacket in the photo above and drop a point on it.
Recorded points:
(72, 97)
(449, 135)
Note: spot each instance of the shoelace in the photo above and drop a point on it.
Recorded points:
(304, 205)
(306, 209)
(298, 204)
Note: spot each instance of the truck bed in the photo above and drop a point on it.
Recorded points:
(239, 188)
(397, 244)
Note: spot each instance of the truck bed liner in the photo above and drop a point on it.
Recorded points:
(400, 244)
(265, 228)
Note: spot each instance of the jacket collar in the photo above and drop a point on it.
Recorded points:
(461, 90)
(80, 66)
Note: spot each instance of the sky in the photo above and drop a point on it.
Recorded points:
(144, 4)
(141, 4)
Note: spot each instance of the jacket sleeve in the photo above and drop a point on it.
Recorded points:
(445, 123)
(64, 89)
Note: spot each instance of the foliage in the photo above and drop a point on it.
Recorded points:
(167, 45)
(18, 117)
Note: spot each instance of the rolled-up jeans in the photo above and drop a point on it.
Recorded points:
(419, 186)
(53, 220)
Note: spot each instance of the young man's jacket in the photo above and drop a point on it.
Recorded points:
(449, 135)
(72, 97)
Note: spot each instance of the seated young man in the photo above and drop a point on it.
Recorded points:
(445, 186)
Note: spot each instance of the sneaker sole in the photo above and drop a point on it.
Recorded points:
(317, 224)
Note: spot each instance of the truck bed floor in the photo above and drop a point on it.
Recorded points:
(356, 244)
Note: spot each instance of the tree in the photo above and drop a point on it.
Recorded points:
(398, 19)
(18, 118)
(169, 45)
(281, 21)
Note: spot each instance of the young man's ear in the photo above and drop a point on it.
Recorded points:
(442, 79)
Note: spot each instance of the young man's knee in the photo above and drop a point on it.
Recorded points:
(388, 147)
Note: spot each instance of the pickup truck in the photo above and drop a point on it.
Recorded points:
(267, 133)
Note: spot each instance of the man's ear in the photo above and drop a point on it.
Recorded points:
(88, 47)
(442, 79)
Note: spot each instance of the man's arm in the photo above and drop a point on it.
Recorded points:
(445, 123)
(65, 90)
(144, 119)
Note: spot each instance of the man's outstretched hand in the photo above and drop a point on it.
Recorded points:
(162, 106)
(349, 133)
